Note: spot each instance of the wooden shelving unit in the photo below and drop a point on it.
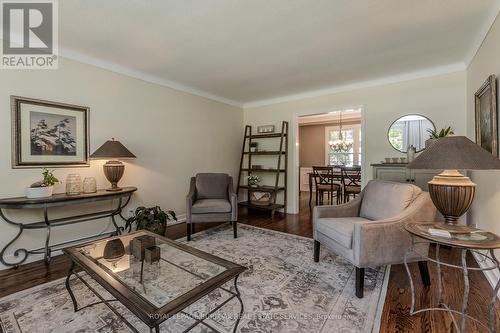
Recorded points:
(280, 172)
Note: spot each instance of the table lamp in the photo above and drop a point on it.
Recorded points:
(113, 169)
(451, 192)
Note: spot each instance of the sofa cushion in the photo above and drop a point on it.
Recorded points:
(384, 199)
(211, 206)
(212, 185)
(340, 229)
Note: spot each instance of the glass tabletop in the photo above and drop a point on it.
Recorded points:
(151, 267)
(477, 238)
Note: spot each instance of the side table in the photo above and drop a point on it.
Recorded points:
(472, 242)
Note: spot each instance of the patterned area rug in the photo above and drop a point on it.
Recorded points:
(283, 290)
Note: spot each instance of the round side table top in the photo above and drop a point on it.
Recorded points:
(477, 239)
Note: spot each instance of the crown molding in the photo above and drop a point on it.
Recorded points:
(140, 75)
(482, 35)
(435, 71)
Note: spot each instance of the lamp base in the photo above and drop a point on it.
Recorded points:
(452, 193)
(113, 170)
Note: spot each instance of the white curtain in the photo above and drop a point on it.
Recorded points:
(414, 134)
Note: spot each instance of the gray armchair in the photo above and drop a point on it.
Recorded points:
(369, 230)
(211, 198)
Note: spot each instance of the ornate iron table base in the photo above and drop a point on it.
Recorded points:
(463, 316)
(198, 321)
(122, 199)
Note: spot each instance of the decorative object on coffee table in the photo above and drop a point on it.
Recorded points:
(152, 254)
(487, 116)
(139, 244)
(73, 184)
(49, 134)
(113, 250)
(114, 168)
(44, 187)
(153, 219)
(451, 192)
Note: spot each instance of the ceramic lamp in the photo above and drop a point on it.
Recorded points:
(114, 168)
(451, 192)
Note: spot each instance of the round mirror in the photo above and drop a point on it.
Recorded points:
(409, 130)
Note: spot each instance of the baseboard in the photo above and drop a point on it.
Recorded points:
(493, 276)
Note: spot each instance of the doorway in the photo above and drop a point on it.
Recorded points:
(328, 143)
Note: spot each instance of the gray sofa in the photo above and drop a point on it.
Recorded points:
(211, 198)
(369, 230)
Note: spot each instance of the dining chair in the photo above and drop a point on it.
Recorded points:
(324, 180)
(351, 181)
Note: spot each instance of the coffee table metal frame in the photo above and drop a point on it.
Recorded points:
(139, 306)
(418, 238)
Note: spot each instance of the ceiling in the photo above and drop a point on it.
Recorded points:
(251, 52)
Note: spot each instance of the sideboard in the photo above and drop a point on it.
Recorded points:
(401, 174)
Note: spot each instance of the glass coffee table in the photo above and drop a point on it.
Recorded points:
(153, 277)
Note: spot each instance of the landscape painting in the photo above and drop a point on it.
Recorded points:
(49, 134)
(52, 134)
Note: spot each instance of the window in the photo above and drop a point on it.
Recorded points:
(348, 157)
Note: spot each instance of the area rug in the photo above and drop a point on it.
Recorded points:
(283, 290)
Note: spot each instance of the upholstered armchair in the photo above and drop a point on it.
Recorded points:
(369, 230)
(211, 198)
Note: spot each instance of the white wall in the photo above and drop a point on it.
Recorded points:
(173, 134)
(441, 98)
(485, 210)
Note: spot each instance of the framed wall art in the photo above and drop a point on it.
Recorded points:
(487, 116)
(49, 134)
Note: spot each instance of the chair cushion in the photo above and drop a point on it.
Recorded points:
(384, 199)
(325, 187)
(211, 206)
(340, 229)
(212, 185)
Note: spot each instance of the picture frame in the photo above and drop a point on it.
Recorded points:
(49, 134)
(487, 115)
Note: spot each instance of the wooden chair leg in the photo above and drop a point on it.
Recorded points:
(235, 230)
(188, 231)
(360, 281)
(316, 250)
(424, 273)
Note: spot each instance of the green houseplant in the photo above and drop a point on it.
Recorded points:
(434, 135)
(44, 187)
(153, 219)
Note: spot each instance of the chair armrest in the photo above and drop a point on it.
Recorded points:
(383, 242)
(350, 209)
(190, 199)
(233, 199)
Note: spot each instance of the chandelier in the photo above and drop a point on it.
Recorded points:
(340, 145)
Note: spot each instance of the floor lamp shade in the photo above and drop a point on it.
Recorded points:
(113, 169)
(451, 192)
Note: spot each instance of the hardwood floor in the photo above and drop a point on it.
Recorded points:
(395, 316)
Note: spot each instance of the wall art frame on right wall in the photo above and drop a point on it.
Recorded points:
(487, 115)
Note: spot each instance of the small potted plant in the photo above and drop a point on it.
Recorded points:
(253, 180)
(436, 135)
(153, 219)
(43, 188)
(254, 146)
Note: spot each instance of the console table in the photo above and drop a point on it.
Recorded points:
(122, 198)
